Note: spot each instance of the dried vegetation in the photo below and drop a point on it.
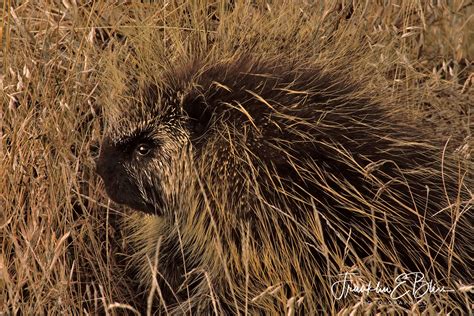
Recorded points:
(60, 242)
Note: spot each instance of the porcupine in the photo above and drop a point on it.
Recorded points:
(256, 174)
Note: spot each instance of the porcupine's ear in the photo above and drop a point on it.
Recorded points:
(198, 112)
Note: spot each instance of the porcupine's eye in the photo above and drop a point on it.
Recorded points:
(143, 149)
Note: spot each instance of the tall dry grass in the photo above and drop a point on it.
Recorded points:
(60, 241)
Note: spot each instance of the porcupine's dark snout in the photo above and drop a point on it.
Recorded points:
(119, 186)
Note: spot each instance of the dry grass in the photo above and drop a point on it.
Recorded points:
(59, 238)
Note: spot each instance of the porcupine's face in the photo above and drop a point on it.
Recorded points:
(141, 167)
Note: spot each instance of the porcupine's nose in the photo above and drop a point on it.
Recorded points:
(112, 175)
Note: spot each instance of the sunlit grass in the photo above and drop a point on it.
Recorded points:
(61, 244)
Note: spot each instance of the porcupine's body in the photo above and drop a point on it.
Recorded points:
(267, 179)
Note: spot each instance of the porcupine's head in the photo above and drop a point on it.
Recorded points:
(162, 137)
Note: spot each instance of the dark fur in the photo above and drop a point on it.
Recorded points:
(318, 145)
